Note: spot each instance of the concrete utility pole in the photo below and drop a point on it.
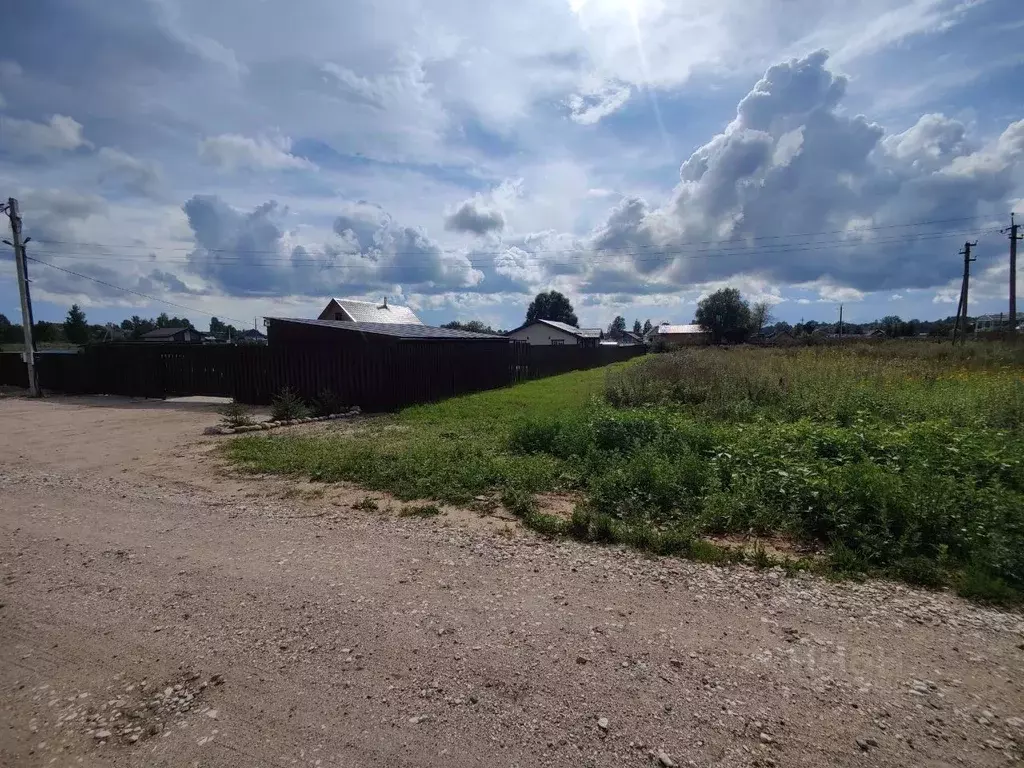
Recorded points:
(1012, 231)
(26, 300)
(961, 317)
(840, 322)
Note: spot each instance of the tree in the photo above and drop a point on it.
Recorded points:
(637, 328)
(476, 326)
(76, 329)
(45, 333)
(617, 327)
(217, 327)
(892, 325)
(760, 315)
(551, 306)
(647, 327)
(725, 315)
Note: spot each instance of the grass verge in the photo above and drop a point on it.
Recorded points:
(900, 459)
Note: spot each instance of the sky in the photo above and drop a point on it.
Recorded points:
(247, 159)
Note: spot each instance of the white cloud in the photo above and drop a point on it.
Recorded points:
(232, 152)
(60, 134)
(601, 100)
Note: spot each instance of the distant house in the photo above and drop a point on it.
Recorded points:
(551, 333)
(352, 311)
(285, 330)
(251, 336)
(174, 336)
(691, 335)
(987, 323)
(622, 338)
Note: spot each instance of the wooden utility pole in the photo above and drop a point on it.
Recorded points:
(961, 317)
(1012, 231)
(26, 300)
(840, 322)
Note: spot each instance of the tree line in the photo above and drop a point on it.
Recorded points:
(77, 330)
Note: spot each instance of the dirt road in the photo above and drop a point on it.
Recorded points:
(158, 612)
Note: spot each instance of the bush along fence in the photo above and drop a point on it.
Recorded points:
(375, 378)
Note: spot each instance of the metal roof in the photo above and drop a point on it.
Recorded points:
(372, 312)
(583, 333)
(159, 333)
(677, 329)
(395, 330)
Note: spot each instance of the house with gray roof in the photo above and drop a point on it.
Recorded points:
(353, 311)
(555, 334)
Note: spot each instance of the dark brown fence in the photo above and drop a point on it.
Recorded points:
(376, 378)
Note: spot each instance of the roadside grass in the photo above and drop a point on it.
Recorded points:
(899, 459)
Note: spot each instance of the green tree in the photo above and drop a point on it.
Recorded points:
(647, 327)
(617, 327)
(760, 315)
(637, 328)
(551, 306)
(892, 325)
(725, 315)
(76, 329)
(45, 333)
(476, 326)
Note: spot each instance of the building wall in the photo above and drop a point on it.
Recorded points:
(543, 335)
(685, 339)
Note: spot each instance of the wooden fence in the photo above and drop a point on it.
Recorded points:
(376, 378)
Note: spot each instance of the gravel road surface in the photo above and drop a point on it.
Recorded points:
(157, 610)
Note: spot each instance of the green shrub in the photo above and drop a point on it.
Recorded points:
(327, 404)
(288, 406)
(235, 414)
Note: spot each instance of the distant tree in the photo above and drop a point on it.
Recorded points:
(760, 315)
(138, 326)
(163, 321)
(476, 326)
(647, 327)
(45, 333)
(617, 327)
(551, 306)
(217, 328)
(725, 315)
(637, 328)
(76, 329)
(892, 325)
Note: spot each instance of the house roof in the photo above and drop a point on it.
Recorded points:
(160, 333)
(404, 331)
(372, 312)
(672, 330)
(581, 333)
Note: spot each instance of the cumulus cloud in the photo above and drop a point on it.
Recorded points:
(472, 218)
(232, 152)
(60, 134)
(792, 161)
(255, 254)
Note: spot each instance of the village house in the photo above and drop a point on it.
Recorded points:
(552, 333)
(353, 311)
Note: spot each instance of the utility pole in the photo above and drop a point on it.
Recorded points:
(961, 319)
(26, 300)
(840, 322)
(1012, 231)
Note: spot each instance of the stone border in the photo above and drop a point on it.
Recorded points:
(267, 425)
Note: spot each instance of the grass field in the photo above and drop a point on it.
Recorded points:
(902, 458)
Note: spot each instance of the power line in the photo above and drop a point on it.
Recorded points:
(573, 256)
(732, 241)
(129, 290)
